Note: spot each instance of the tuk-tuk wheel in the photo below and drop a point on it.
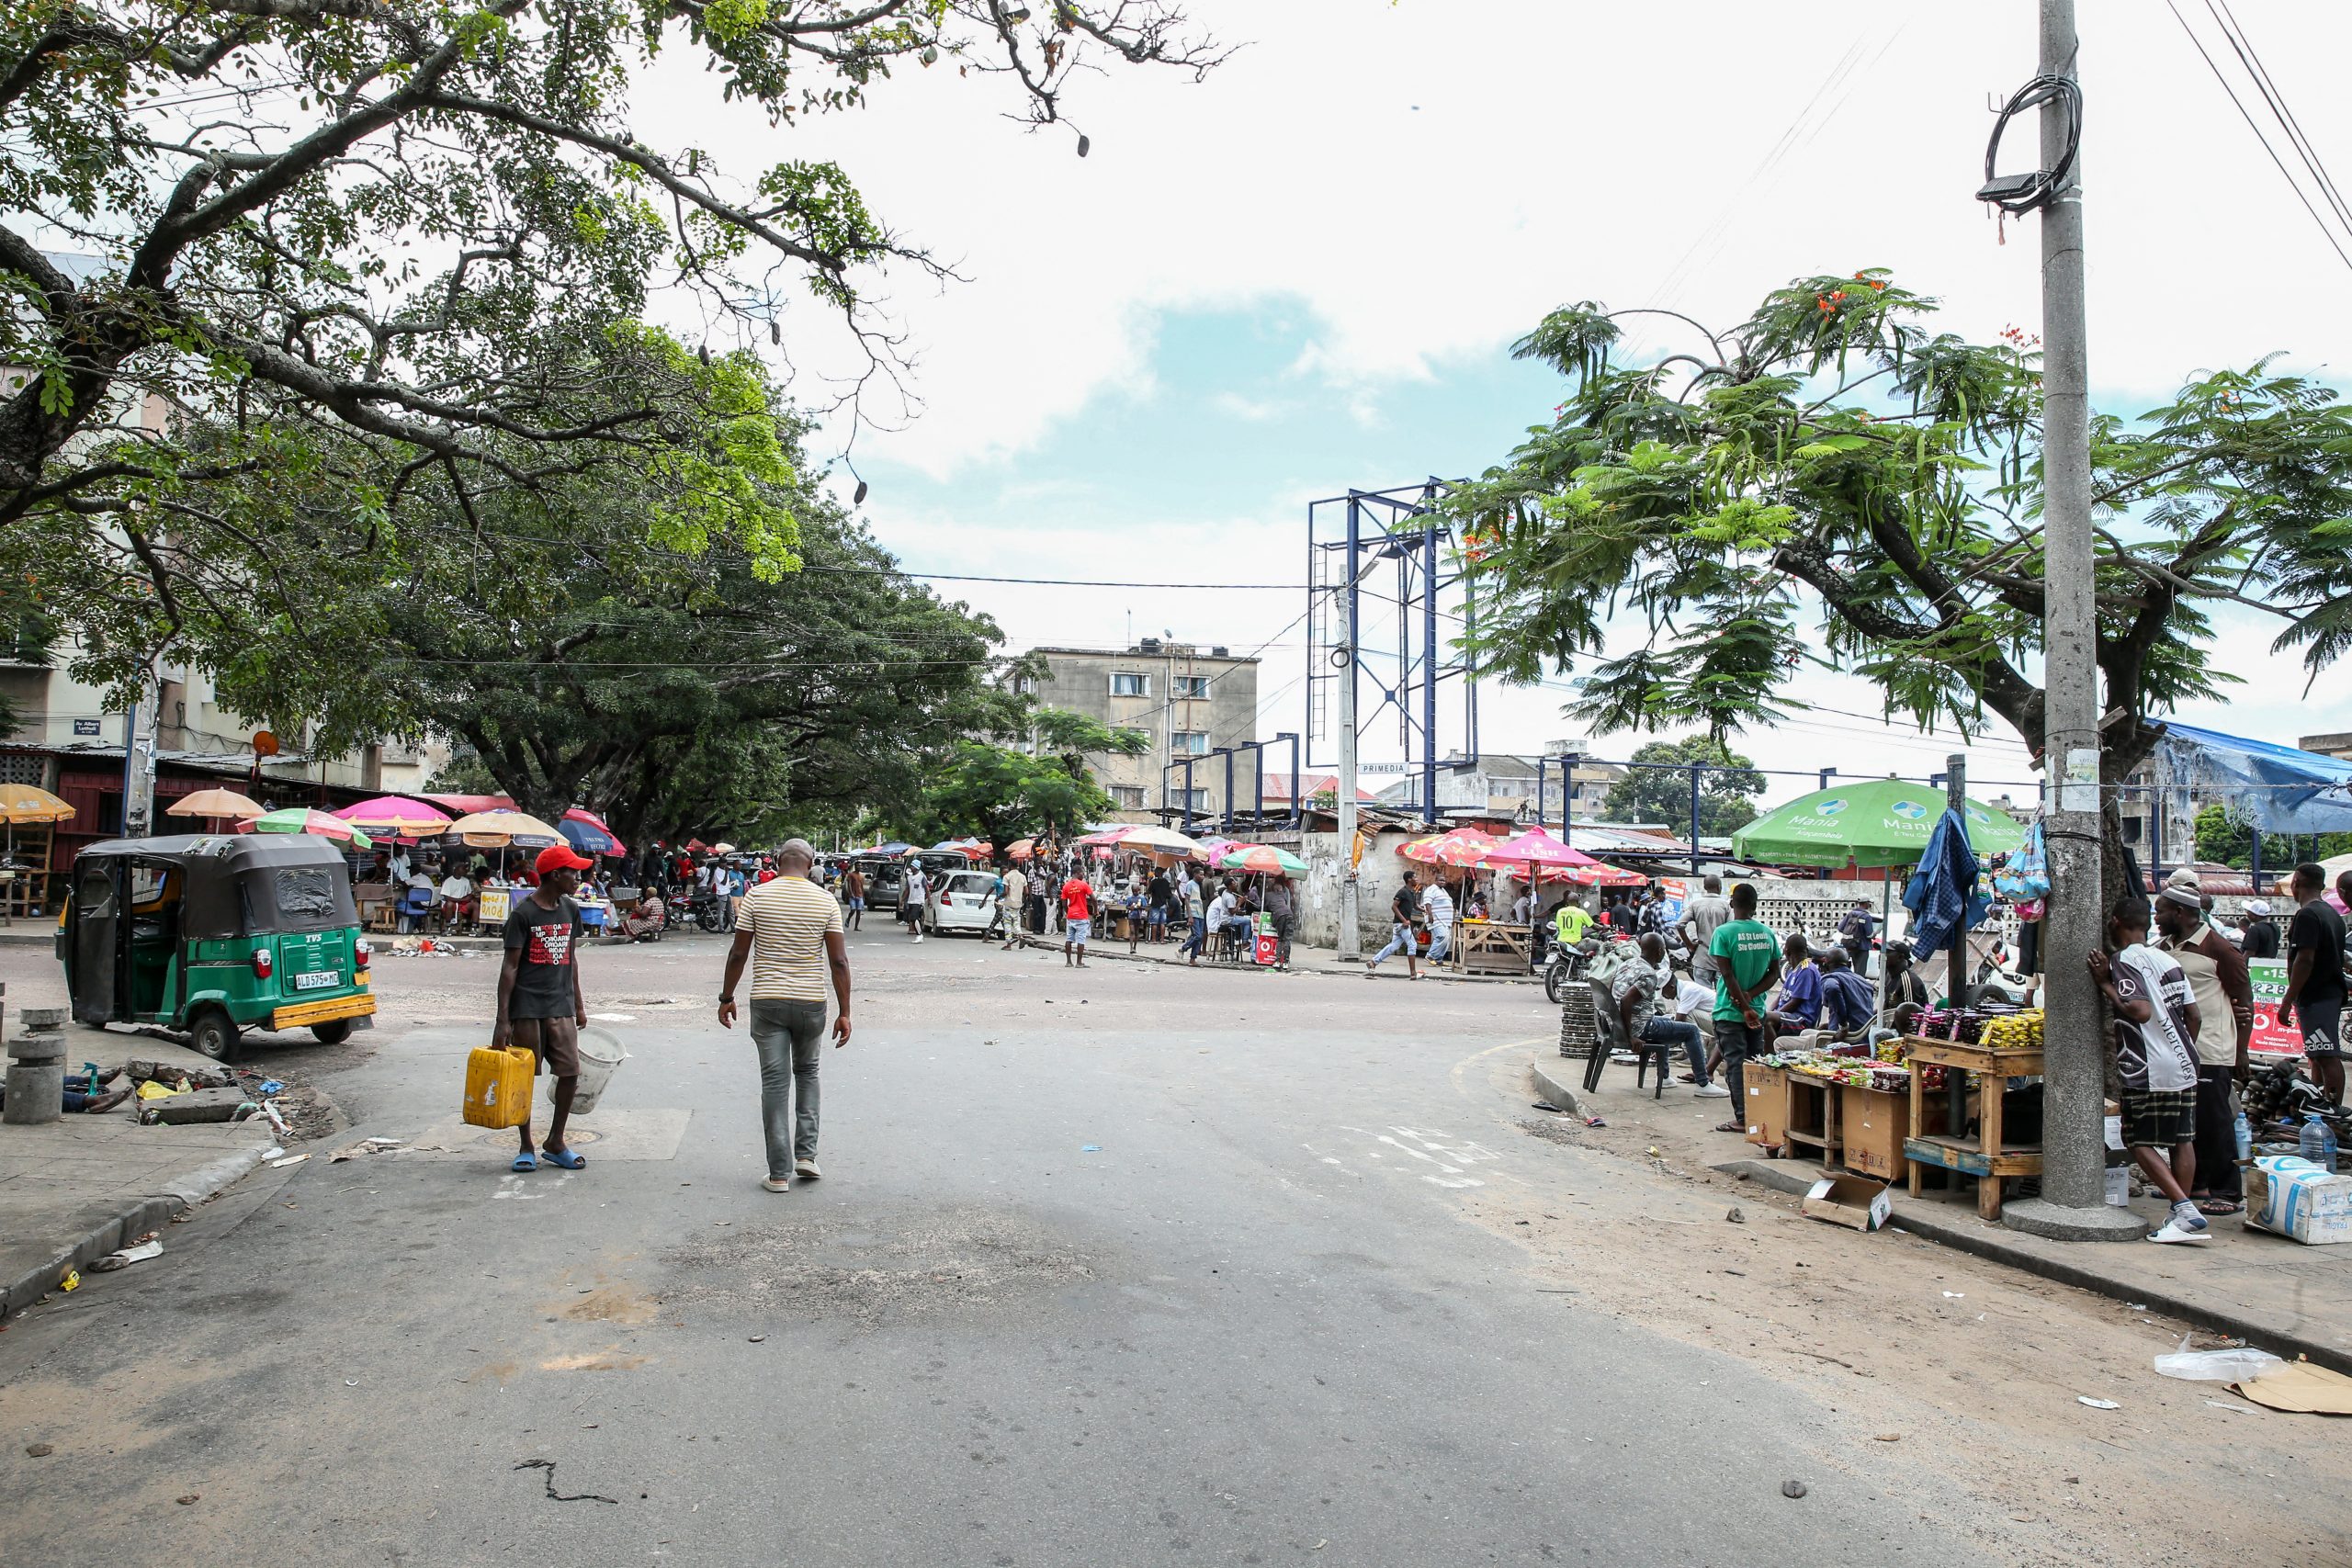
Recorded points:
(335, 1032)
(215, 1034)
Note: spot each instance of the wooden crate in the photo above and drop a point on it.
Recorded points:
(1875, 1122)
(1812, 1128)
(1767, 1114)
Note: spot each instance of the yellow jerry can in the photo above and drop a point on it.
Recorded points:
(498, 1088)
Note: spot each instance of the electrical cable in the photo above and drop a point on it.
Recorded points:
(2211, 65)
(2247, 57)
(2024, 193)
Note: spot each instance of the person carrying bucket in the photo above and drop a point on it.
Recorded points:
(540, 1007)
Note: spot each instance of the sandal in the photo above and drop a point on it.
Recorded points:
(1730, 1127)
(2218, 1206)
(523, 1162)
(565, 1158)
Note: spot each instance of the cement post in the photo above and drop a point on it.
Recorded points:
(2073, 1205)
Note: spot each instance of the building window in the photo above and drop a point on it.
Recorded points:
(1126, 685)
(1140, 733)
(1189, 743)
(1129, 796)
(1025, 686)
(21, 768)
(1192, 686)
(1193, 799)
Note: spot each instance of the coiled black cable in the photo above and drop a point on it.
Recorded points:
(2023, 192)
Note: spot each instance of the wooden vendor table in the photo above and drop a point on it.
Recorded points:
(1491, 947)
(1985, 1157)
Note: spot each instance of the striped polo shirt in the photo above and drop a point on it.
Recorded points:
(788, 919)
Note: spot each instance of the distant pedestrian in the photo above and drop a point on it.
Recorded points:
(854, 899)
(790, 932)
(2260, 937)
(1077, 923)
(913, 893)
(1437, 908)
(1405, 916)
(1283, 906)
(1700, 919)
(540, 1007)
(2314, 998)
(1012, 904)
(1854, 933)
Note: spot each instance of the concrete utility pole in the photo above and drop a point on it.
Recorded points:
(1350, 937)
(2073, 1205)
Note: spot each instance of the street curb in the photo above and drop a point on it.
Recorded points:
(134, 1218)
(1551, 1089)
(1991, 1242)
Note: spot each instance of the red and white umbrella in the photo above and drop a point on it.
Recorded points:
(1462, 847)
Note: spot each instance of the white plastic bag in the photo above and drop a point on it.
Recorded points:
(2240, 1364)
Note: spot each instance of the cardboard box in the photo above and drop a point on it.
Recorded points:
(1855, 1201)
(2289, 1196)
(1875, 1122)
(1767, 1114)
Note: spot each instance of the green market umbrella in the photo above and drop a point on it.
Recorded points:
(1875, 822)
(302, 820)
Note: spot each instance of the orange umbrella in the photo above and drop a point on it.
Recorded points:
(1462, 847)
(221, 803)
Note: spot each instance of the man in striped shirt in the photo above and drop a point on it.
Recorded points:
(785, 927)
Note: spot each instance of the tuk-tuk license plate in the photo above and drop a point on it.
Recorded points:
(318, 980)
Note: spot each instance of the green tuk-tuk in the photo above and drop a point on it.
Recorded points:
(214, 934)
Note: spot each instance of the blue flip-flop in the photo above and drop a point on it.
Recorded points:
(565, 1158)
(523, 1162)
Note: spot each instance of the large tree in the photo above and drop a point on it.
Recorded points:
(1832, 484)
(1728, 786)
(372, 252)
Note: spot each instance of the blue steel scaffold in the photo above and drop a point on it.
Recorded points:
(1347, 538)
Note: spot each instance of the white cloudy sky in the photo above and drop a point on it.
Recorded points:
(1301, 275)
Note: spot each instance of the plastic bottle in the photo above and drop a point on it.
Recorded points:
(2245, 1139)
(2318, 1141)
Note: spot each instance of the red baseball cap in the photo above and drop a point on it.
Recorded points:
(560, 857)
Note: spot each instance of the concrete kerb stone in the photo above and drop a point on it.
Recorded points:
(1967, 1234)
(106, 1225)
(1559, 1093)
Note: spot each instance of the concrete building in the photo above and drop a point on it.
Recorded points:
(1503, 782)
(1190, 700)
(2338, 744)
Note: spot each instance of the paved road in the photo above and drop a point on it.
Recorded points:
(1126, 1266)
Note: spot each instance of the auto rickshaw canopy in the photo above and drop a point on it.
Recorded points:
(236, 885)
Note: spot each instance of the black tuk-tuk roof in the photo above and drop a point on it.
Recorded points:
(234, 883)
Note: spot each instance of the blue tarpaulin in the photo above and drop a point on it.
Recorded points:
(1942, 893)
(2279, 789)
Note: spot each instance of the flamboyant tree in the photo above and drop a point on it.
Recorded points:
(1833, 484)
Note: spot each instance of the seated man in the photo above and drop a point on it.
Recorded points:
(456, 901)
(1635, 990)
(1848, 1001)
(1798, 1007)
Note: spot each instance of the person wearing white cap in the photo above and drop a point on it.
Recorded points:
(2218, 980)
(2260, 938)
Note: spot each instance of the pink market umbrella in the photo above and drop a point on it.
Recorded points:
(1537, 848)
(389, 816)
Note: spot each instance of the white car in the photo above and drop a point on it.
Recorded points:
(963, 901)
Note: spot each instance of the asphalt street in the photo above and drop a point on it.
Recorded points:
(1114, 1265)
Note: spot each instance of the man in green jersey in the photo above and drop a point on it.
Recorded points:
(1747, 960)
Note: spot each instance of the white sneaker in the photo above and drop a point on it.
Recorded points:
(2174, 1231)
(807, 1168)
(777, 1183)
(1713, 1091)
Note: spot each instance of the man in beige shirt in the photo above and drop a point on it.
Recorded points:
(790, 932)
(2224, 991)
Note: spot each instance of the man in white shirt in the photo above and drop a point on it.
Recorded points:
(1220, 915)
(456, 900)
(1438, 904)
(1009, 906)
(397, 868)
(1696, 927)
(1695, 1004)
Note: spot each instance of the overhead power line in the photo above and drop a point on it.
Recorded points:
(2326, 233)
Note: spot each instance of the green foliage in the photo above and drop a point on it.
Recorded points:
(1003, 795)
(1832, 483)
(1726, 799)
(352, 270)
(2225, 842)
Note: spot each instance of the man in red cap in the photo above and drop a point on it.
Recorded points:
(540, 1007)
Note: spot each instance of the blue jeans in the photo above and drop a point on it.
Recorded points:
(790, 1039)
(1440, 943)
(1199, 940)
(1673, 1032)
(1400, 941)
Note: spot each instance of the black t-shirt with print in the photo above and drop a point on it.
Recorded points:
(2320, 928)
(546, 937)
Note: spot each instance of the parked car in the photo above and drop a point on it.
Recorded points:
(884, 878)
(964, 901)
